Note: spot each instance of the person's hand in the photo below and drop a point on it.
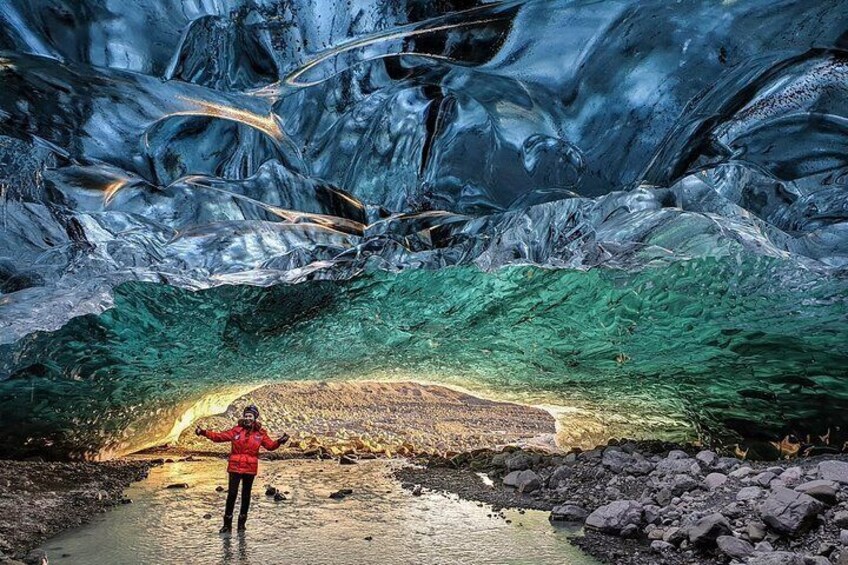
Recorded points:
(283, 439)
(199, 431)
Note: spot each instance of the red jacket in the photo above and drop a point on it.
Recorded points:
(244, 453)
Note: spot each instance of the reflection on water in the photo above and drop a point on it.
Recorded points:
(167, 525)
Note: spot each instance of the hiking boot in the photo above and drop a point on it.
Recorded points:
(228, 525)
(241, 521)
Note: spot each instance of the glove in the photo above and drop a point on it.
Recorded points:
(283, 439)
(199, 431)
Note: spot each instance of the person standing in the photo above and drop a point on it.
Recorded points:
(246, 438)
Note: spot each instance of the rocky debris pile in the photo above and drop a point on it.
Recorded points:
(643, 503)
(57, 496)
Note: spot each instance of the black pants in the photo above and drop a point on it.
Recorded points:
(232, 492)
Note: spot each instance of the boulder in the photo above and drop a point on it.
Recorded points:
(714, 480)
(677, 454)
(675, 535)
(511, 479)
(36, 557)
(834, 471)
(568, 513)
(790, 512)
(749, 493)
(776, 558)
(614, 517)
(741, 472)
(726, 464)
(756, 531)
(707, 458)
(528, 481)
(663, 496)
(560, 474)
(678, 466)
(705, 531)
(661, 546)
(841, 518)
(616, 461)
(518, 461)
(822, 490)
(734, 548)
(792, 475)
(764, 479)
(683, 483)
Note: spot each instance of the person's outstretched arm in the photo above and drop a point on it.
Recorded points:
(217, 437)
(272, 444)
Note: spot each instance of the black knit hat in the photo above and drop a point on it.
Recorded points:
(253, 410)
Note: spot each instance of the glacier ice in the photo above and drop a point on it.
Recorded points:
(293, 175)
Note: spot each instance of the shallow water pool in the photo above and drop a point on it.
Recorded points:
(167, 525)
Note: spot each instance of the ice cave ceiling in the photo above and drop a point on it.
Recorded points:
(636, 208)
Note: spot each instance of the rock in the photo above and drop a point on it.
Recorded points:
(270, 491)
(207, 516)
(777, 558)
(616, 461)
(705, 531)
(675, 535)
(661, 546)
(347, 460)
(749, 493)
(733, 547)
(368, 538)
(756, 531)
(741, 472)
(219, 488)
(278, 497)
(340, 494)
(518, 461)
(683, 483)
(708, 458)
(792, 475)
(714, 480)
(524, 481)
(614, 517)
(826, 549)
(816, 560)
(764, 479)
(511, 479)
(178, 485)
(560, 474)
(417, 490)
(663, 496)
(655, 533)
(843, 539)
(568, 513)
(763, 547)
(841, 518)
(726, 464)
(678, 467)
(499, 459)
(675, 454)
(822, 490)
(790, 512)
(652, 513)
(36, 557)
(629, 531)
(834, 471)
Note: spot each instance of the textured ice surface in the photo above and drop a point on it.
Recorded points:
(690, 158)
